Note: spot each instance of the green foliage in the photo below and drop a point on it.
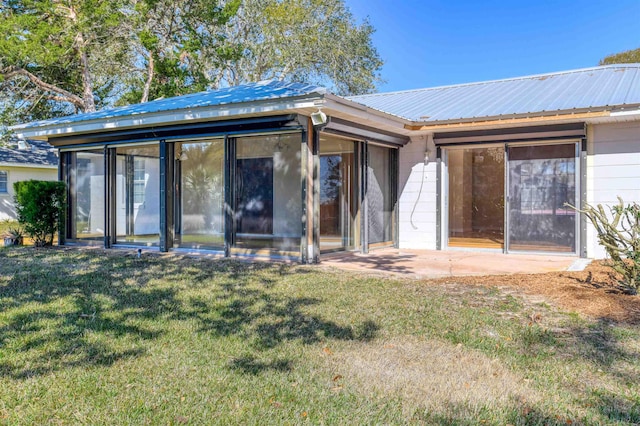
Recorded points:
(59, 58)
(619, 234)
(40, 208)
(313, 41)
(626, 57)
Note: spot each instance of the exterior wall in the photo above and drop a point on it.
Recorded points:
(15, 174)
(417, 195)
(613, 169)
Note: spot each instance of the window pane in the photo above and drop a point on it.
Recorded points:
(138, 195)
(3, 182)
(139, 181)
(476, 197)
(200, 214)
(88, 196)
(541, 180)
(338, 209)
(268, 193)
(379, 185)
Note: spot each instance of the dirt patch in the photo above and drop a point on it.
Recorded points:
(593, 292)
(428, 374)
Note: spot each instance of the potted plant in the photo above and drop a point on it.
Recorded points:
(13, 237)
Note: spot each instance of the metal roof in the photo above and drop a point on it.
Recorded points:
(36, 153)
(583, 89)
(252, 92)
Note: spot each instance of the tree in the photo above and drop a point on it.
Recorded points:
(50, 50)
(59, 57)
(40, 206)
(313, 41)
(170, 41)
(626, 57)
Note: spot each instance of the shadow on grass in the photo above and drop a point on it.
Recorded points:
(251, 365)
(63, 308)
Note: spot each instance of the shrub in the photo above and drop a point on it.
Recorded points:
(619, 234)
(40, 208)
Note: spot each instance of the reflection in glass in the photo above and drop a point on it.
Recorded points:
(476, 197)
(138, 195)
(337, 194)
(268, 193)
(379, 185)
(88, 197)
(199, 171)
(541, 180)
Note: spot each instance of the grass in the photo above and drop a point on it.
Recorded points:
(94, 337)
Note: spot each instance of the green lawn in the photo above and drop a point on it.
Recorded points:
(88, 337)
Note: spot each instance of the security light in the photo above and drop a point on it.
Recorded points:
(319, 118)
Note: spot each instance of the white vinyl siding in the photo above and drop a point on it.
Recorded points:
(613, 169)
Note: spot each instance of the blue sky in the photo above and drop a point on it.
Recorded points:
(440, 42)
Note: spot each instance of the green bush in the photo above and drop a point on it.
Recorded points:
(40, 207)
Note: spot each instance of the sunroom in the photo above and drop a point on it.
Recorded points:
(267, 169)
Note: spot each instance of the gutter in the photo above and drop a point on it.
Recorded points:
(525, 119)
(376, 117)
(197, 114)
(508, 121)
(28, 166)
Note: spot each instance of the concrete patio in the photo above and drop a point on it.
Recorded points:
(436, 264)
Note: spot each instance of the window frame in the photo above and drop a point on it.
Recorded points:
(5, 181)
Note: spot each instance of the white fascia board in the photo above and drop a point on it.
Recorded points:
(626, 113)
(374, 116)
(166, 118)
(28, 166)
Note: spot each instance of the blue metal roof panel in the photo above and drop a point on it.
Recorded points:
(252, 92)
(598, 87)
(38, 153)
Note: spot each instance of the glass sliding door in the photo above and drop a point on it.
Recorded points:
(137, 195)
(541, 180)
(476, 197)
(338, 207)
(87, 196)
(199, 182)
(268, 193)
(379, 195)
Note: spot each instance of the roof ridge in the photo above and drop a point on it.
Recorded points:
(484, 82)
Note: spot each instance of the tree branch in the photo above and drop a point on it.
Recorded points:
(13, 71)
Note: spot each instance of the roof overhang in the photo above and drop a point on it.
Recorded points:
(604, 115)
(189, 115)
(28, 166)
(333, 106)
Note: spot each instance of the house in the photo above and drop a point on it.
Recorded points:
(290, 170)
(24, 160)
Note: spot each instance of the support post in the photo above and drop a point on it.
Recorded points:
(229, 194)
(166, 195)
(110, 226)
(364, 165)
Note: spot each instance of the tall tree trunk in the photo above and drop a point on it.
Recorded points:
(147, 84)
(87, 82)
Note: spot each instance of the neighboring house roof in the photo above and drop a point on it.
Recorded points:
(252, 92)
(35, 154)
(586, 89)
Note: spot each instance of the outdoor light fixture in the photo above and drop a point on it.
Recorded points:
(319, 118)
